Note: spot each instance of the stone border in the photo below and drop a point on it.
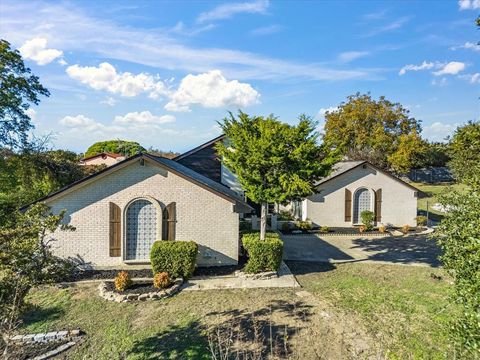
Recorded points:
(47, 337)
(266, 275)
(156, 295)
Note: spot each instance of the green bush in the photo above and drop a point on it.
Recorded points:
(285, 215)
(177, 258)
(304, 225)
(263, 255)
(324, 229)
(421, 220)
(367, 219)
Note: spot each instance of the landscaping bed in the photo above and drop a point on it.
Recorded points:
(140, 291)
(332, 231)
(32, 350)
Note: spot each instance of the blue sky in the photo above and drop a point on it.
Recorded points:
(163, 73)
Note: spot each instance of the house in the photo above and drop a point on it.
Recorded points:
(356, 186)
(120, 211)
(104, 158)
(351, 187)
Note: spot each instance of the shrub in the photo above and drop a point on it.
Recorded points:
(285, 215)
(245, 226)
(324, 229)
(362, 228)
(161, 280)
(263, 255)
(304, 225)
(177, 258)
(421, 220)
(405, 229)
(382, 229)
(123, 281)
(367, 219)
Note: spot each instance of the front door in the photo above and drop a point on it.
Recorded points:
(141, 229)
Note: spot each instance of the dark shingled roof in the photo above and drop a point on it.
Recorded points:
(174, 166)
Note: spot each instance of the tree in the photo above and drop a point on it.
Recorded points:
(434, 154)
(26, 261)
(167, 154)
(124, 147)
(18, 90)
(274, 162)
(378, 131)
(464, 149)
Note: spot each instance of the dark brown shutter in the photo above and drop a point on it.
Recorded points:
(348, 205)
(169, 220)
(115, 230)
(378, 205)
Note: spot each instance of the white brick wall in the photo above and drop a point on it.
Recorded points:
(399, 204)
(202, 216)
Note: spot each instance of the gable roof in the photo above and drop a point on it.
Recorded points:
(343, 167)
(200, 147)
(113, 155)
(170, 165)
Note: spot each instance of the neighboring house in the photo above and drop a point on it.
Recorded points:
(120, 211)
(356, 186)
(352, 187)
(104, 158)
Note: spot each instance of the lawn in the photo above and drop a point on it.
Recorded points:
(343, 311)
(433, 191)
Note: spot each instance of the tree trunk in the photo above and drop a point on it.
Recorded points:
(263, 220)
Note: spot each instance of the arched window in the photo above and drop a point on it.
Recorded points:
(362, 201)
(141, 229)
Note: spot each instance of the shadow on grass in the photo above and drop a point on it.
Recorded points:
(36, 314)
(187, 341)
(259, 334)
(431, 216)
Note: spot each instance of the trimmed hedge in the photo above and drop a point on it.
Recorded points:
(263, 255)
(177, 258)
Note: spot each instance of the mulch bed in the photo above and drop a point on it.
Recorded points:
(31, 350)
(136, 288)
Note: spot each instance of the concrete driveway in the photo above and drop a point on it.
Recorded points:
(413, 250)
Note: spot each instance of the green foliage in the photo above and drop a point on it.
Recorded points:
(161, 280)
(18, 90)
(459, 238)
(421, 220)
(464, 150)
(177, 258)
(263, 255)
(167, 154)
(245, 226)
(26, 260)
(324, 229)
(124, 147)
(367, 218)
(378, 131)
(432, 154)
(304, 225)
(274, 162)
(123, 281)
(285, 215)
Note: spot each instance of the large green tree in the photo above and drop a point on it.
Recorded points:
(464, 149)
(124, 147)
(378, 131)
(275, 162)
(18, 90)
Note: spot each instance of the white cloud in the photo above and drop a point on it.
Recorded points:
(110, 101)
(469, 4)
(266, 30)
(468, 45)
(226, 11)
(32, 114)
(438, 131)
(439, 82)
(411, 67)
(472, 78)
(211, 90)
(36, 50)
(62, 62)
(452, 68)
(143, 118)
(76, 121)
(352, 55)
(393, 25)
(321, 113)
(106, 77)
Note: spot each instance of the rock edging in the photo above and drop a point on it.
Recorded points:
(266, 275)
(156, 295)
(46, 337)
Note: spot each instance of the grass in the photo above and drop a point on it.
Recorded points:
(402, 309)
(433, 191)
